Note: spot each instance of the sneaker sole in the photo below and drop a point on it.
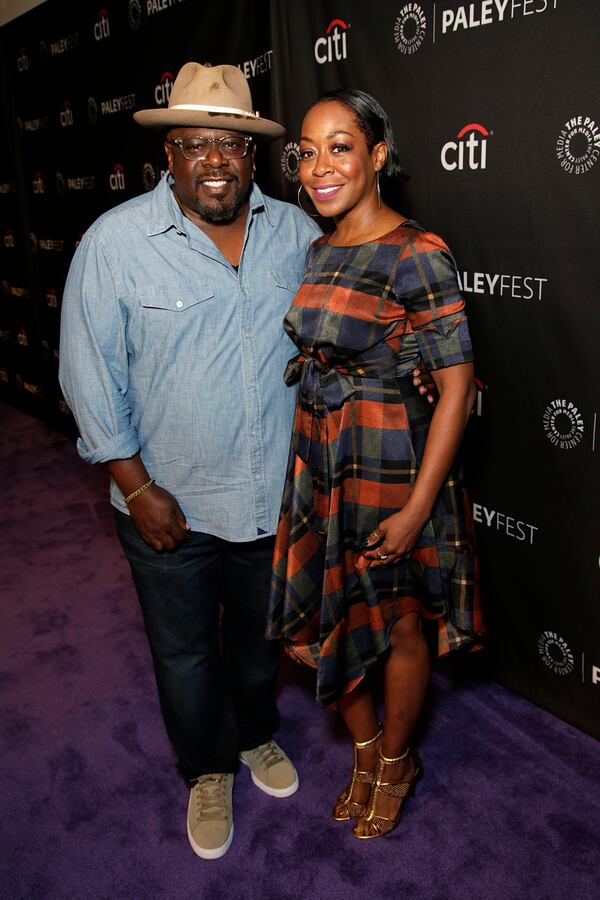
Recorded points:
(210, 854)
(272, 792)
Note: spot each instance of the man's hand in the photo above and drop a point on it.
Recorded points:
(424, 382)
(158, 517)
(155, 513)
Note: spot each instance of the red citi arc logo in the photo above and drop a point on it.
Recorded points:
(102, 26)
(333, 46)
(66, 115)
(116, 179)
(162, 91)
(472, 139)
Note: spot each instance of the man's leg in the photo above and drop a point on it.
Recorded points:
(179, 593)
(252, 662)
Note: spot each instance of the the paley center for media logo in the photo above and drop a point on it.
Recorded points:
(290, 161)
(563, 424)
(561, 659)
(578, 145)
(410, 28)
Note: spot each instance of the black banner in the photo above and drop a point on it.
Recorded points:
(496, 114)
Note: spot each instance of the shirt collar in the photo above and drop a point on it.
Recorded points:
(166, 213)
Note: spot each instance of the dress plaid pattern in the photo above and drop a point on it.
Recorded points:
(362, 319)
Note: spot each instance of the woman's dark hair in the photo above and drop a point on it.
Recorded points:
(374, 123)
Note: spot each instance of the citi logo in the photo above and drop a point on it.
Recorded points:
(66, 115)
(480, 388)
(102, 26)
(453, 153)
(116, 179)
(38, 183)
(162, 91)
(22, 60)
(333, 46)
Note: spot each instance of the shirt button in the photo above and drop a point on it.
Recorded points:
(257, 477)
(179, 304)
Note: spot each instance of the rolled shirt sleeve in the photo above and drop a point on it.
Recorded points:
(426, 281)
(93, 369)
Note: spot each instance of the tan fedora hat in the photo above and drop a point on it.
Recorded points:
(210, 97)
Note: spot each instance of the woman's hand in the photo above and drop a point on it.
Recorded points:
(394, 538)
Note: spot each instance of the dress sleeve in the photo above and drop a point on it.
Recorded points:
(426, 283)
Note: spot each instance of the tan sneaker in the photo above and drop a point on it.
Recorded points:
(271, 770)
(210, 815)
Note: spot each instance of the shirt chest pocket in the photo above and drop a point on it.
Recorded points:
(177, 316)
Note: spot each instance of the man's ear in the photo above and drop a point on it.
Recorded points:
(168, 150)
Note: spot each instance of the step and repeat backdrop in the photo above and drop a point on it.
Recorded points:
(496, 113)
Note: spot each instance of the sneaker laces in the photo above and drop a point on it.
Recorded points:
(210, 797)
(268, 755)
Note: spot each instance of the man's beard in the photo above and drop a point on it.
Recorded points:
(221, 210)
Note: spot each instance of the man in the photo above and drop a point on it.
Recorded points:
(172, 355)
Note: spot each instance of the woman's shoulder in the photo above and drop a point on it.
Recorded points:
(419, 238)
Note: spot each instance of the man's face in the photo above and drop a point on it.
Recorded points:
(215, 188)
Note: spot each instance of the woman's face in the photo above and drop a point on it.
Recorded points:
(336, 167)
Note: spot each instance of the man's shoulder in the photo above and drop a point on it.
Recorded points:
(283, 212)
(126, 212)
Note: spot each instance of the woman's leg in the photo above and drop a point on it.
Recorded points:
(406, 674)
(360, 717)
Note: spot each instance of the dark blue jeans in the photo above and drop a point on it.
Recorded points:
(204, 608)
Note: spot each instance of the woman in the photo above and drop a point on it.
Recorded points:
(374, 535)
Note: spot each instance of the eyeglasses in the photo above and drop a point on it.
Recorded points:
(229, 146)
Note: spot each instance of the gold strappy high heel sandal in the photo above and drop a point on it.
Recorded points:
(399, 789)
(346, 808)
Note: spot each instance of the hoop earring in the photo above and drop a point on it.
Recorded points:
(312, 215)
(378, 189)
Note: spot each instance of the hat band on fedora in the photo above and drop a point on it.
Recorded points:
(219, 110)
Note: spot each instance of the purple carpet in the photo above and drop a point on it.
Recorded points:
(508, 806)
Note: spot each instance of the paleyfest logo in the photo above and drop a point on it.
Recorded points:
(333, 46)
(290, 161)
(563, 424)
(556, 653)
(472, 139)
(578, 145)
(488, 12)
(410, 28)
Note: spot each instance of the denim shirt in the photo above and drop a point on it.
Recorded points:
(166, 349)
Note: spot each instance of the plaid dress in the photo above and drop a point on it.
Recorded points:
(363, 318)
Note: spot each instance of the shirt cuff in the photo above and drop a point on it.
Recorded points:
(121, 446)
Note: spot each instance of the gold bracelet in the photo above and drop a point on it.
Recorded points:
(139, 491)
